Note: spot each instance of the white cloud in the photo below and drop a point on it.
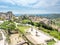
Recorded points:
(2, 6)
(45, 3)
(24, 2)
(8, 1)
(29, 12)
(32, 4)
(38, 3)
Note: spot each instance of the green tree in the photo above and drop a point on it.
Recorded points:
(8, 26)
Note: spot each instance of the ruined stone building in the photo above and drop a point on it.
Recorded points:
(6, 16)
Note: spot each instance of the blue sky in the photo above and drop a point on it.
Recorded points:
(30, 6)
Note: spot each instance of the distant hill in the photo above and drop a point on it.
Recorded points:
(51, 16)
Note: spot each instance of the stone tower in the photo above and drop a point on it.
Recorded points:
(9, 15)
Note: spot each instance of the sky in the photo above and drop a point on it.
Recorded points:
(30, 6)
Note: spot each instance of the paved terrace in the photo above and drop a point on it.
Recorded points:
(37, 37)
(15, 39)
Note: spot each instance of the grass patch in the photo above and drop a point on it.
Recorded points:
(51, 42)
(58, 24)
(53, 33)
(23, 28)
(25, 21)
